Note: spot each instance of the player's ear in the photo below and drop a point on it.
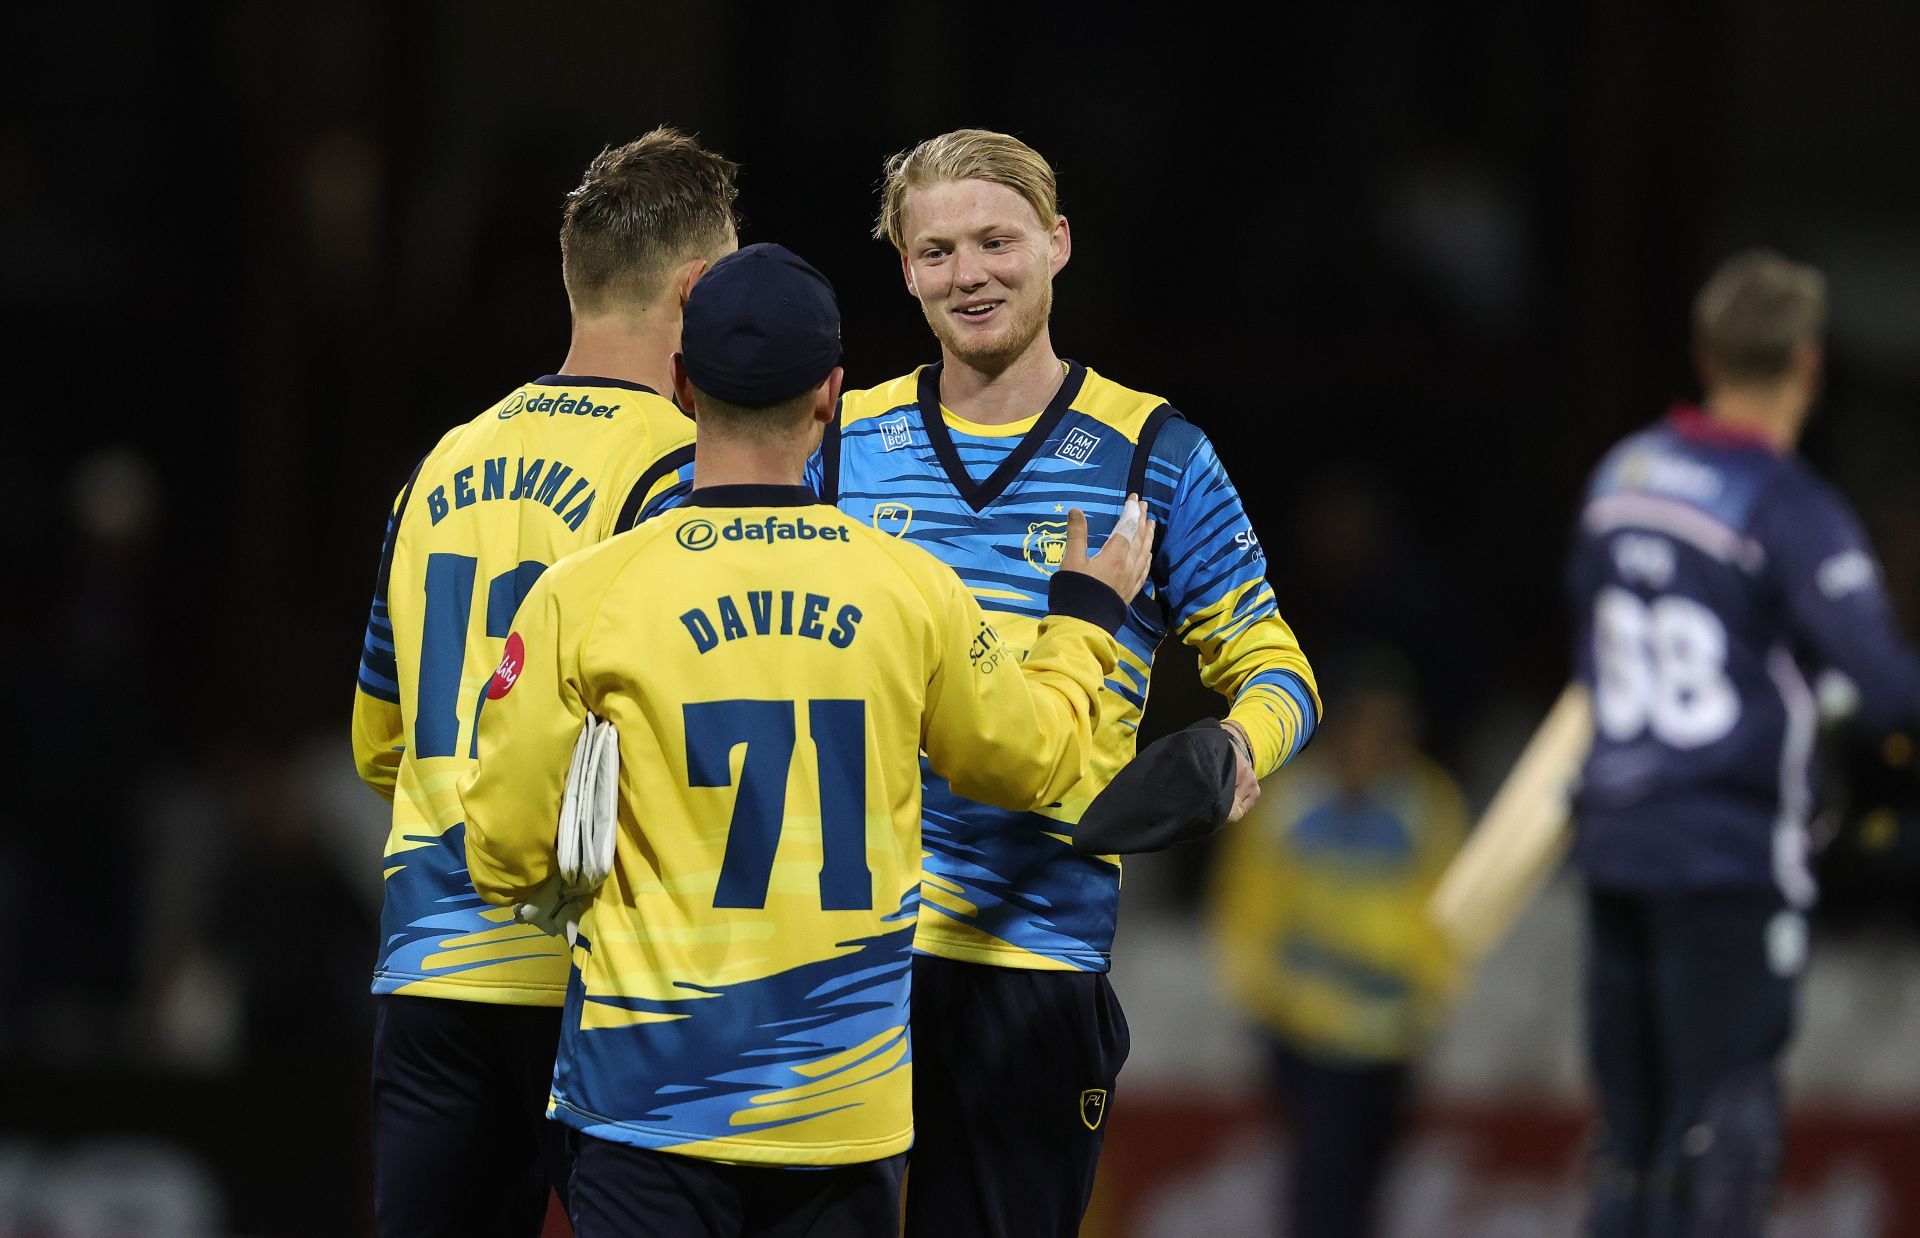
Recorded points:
(688, 276)
(682, 386)
(1059, 245)
(1809, 358)
(826, 397)
(906, 273)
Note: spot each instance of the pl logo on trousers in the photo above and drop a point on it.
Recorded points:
(1093, 1107)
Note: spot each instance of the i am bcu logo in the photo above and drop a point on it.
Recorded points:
(895, 434)
(1078, 446)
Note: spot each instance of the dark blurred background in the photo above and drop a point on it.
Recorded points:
(1413, 267)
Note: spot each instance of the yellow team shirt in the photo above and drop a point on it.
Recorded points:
(1319, 910)
(558, 465)
(774, 670)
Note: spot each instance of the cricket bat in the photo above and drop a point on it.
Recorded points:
(1521, 838)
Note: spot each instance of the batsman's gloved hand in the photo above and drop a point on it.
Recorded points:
(1175, 789)
(583, 842)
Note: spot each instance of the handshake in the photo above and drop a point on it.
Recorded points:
(589, 822)
(1183, 787)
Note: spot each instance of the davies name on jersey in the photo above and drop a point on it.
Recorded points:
(733, 626)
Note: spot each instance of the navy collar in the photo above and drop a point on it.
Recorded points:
(589, 380)
(1701, 426)
(980, 494)
(752, 495)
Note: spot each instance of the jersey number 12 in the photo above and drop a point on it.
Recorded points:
(443, 645)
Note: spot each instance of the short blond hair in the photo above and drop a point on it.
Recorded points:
(1758, 307)
(640, 210)
(965, 155)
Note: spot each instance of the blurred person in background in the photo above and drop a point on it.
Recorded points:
(468, 1017)
(1317, 908)
(1018, 1037)
(1713, 573)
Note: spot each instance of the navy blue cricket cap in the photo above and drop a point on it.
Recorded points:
(761, 326)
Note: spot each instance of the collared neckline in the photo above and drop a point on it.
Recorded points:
(589, 380)
(753, 495)
(979, 495)
(1696, 424)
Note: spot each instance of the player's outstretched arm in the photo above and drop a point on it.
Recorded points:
(1019, 734)
(528, 728)
(1224, 609)
(1830, 585)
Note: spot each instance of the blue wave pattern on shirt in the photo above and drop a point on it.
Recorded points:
(379, 671)
(1012, 876)
(430, 908)
(1035, 891)
(700, 1075)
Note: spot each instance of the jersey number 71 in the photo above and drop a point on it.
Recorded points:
(839, 730)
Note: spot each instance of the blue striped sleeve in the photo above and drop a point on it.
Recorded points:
(1210, 551)
(673, 494)
(664, 486)
(1219, 602)
(1296, 690)
(379, 673)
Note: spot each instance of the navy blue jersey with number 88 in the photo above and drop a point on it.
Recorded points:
(1712, 579)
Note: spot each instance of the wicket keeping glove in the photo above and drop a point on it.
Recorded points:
(589, 822)
(1175, 789)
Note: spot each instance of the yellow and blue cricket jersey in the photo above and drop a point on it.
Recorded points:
(1007, 888)
(774, 670)
(560, 464)
(1318, 907)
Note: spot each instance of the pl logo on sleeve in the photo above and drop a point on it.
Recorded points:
(1093, 1107)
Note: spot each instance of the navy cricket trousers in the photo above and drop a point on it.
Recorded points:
(461, 1141)
(1689, 1006)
